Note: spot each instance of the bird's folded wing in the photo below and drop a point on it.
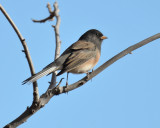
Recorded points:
(76, 59)
(79, 53)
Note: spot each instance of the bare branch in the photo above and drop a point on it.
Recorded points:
(54, 13)
(41, 102)
(58, 42)
(26, 51)
(49, 8)
(50, 17)
(56, 28)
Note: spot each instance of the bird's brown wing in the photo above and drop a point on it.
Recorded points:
(79, 45)
(81, 52)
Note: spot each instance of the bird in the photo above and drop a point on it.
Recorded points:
(78, 58)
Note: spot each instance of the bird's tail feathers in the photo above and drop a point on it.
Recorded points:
(40, 74)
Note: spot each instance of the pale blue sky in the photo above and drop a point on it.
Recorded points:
(125, 95)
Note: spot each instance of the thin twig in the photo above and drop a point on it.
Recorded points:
(50, 17)
(58, 42)
(26, 51)
(49, 8)
(54, 13)
(59, 82)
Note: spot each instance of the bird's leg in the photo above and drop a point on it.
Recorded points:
(92, 70)
(67, 80)
(88, 73)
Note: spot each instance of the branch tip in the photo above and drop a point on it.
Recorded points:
(49, 7)
(23, 39)
(59, 82)
(27, 107)
(53, 26)
(42, 105)
(23, 50)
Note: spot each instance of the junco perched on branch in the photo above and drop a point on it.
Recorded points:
(79, 58)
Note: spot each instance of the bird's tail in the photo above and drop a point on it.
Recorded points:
(40, 74)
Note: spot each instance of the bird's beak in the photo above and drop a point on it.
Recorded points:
(103, 37)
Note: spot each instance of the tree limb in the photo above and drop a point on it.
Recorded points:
(36, 105)
(26, 51)
(58, 42)
(54, 13)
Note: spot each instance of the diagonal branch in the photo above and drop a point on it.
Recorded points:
(26, 51)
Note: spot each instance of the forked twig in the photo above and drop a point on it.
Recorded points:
(49, 18)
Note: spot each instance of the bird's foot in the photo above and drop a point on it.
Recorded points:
(66, 87)
(66, 84)
(88, 73)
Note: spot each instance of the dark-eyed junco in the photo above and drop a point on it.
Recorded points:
(80, 57)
